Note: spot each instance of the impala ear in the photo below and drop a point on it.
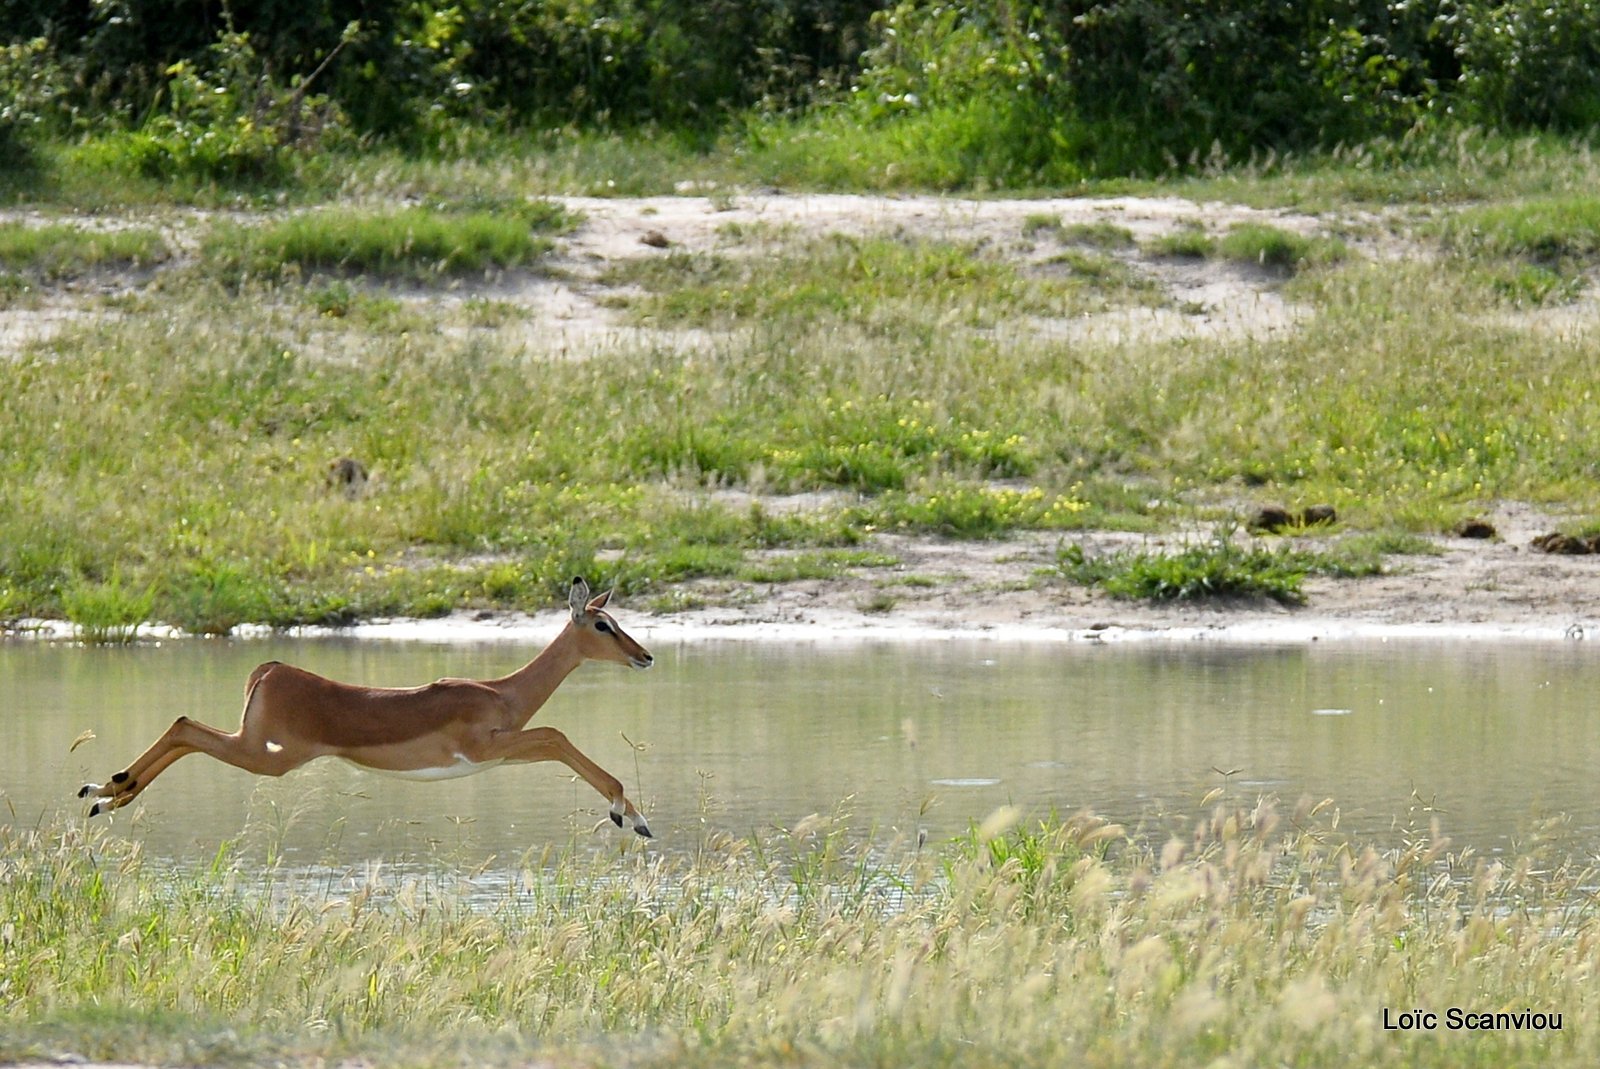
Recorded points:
(578, 596)
(599, 601)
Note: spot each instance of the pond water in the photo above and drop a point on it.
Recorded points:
(905, 737)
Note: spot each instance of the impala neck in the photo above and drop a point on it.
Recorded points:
(530, 686)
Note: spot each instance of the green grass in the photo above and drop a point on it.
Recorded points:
(410, 242)
(1223, 568)
(58, 250)
(182, 442)
(1273, 246)
(183, 445)
(1544, 228)
(1263, 935)
(886, 284)
(1191, 242)
(106, 611)
(1252, 243)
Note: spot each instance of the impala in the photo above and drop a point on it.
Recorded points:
(453, 727)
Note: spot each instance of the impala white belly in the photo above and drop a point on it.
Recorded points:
(455, 770)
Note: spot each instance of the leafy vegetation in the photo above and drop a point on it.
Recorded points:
(830, 92)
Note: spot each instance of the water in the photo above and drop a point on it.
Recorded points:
(906, 738)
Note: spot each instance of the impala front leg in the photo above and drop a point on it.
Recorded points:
(548, 744)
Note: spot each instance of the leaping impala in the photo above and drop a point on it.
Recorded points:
(454, 727)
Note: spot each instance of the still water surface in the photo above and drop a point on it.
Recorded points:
(905, 737)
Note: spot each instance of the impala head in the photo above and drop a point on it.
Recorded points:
(599, 637)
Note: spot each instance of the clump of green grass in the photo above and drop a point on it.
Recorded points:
(106, 611)
(214, 597)
(1188, 242)
(1262, 935)
(57, 250)
(1549, 228)
(1100, 235)
(1036, 223)
(1252, 243)
(1532, 285)
(1273, 246)
(1532, 253)
(1217, 569)
(411, 242)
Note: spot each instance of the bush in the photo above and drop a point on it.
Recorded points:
(1532, 64)
(31, 85)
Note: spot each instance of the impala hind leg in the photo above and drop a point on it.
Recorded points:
(548, 744)
(185, 737)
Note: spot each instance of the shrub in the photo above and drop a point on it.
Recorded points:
(1531, 63)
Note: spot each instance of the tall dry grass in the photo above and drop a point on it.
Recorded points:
(1261, 938)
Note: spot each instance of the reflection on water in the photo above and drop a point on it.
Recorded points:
(906, 738)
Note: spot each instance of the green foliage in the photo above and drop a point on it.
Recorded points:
(972, 94)
(1531, 64)
(222, 117)
(31, 85)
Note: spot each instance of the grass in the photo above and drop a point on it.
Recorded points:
(59, 250)
(889, 284)
(1218, 569)
(410, 242)
(1264, 936)
(1252, 243)
(1222, 567)
(1543, 228)
(106, 612)
(182, 443)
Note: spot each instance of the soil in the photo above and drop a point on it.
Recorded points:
(1496, 587)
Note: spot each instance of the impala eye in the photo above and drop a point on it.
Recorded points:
(602, 627)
